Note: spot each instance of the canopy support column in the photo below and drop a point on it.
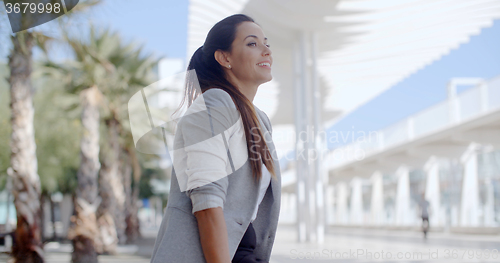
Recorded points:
(310, 147)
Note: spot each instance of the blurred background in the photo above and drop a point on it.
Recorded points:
(384, 112)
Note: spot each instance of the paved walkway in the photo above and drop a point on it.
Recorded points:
(361, 245)
(66, 258)
(341, 245)
(61, 253)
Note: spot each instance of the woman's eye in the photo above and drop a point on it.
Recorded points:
(253, 43)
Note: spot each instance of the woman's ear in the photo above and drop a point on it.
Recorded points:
(222, 58)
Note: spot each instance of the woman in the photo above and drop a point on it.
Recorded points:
(225, 191)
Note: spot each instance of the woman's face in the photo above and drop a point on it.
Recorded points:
(250, 57)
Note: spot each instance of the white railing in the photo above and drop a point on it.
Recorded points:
(470, 103)
(432, 118)
(395, 133)
(479, 100)
(494, 94)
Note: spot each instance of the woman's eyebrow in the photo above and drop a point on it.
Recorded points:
(254, 36)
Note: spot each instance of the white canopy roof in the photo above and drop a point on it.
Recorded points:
(365, 46)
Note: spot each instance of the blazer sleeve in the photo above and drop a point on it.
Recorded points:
(205, 136)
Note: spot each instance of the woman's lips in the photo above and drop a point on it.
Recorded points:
(264, 65)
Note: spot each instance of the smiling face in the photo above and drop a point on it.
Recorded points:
(250, 57)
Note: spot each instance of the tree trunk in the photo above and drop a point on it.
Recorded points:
(23, 162)
(53, 219)
(133, 228)
(111, 212)
(127, 183)
(43, 224)
(84, 232)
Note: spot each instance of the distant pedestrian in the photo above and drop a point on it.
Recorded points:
(424, 207)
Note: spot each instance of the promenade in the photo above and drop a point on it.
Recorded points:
(341, 245)
(372, 245)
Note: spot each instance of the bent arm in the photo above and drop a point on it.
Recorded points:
(204, 142)
(213, 235)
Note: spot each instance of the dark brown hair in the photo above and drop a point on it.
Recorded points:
(211, 75)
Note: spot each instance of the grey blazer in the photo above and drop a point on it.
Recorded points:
(178, 239)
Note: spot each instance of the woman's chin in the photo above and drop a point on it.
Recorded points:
(267, 79)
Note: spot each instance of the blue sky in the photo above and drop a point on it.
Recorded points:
(161, 25)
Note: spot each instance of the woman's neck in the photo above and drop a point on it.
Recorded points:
(248, 89)
(249, 92)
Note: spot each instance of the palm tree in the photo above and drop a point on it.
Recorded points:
(23, 162)
(134, 71)
(88, 74)
(23, 169)
(85, 76)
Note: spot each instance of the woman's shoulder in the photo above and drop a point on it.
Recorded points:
(215, 99)
(215, 108)
(264, 117)
(218, 97)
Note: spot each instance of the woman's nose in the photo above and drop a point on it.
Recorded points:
(267, 51)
